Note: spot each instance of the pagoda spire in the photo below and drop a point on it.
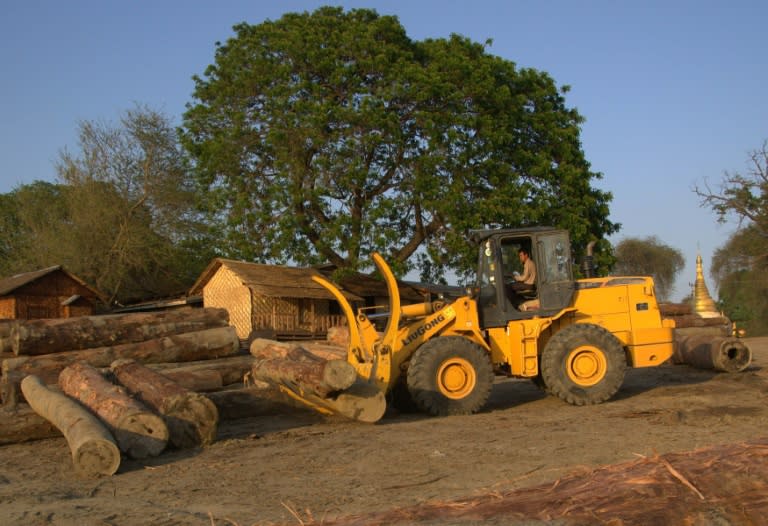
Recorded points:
(703, 304)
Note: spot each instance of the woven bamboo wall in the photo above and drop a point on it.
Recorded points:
(226, 291)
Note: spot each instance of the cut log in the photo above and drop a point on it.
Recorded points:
(22, 424)
(34, 337)
(10, 389)
(694, 320)
(338, 335)
(192, 419)
(192, 346)
(94, 451)
(5, 335)
(231, 369)
(286, 364)
(328, 386)
(248, 402)
(139, 432)
(703, 351)
(675, 309)
(198, 381)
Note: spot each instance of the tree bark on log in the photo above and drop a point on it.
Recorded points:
(139, 432)
(5, 335)
(199, 381)
(94, 451)
(702, 351)
(328, 386)
(231, 369)
(34, 337)
(248, 402)
(291, 365)
(23, 424)
(675, 309)
(694, 320)
(211, 343)
(192, 419)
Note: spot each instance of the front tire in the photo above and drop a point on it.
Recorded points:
(583, 364)
(450, 375)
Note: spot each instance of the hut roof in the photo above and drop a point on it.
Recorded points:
(274, 281)
(12, 283)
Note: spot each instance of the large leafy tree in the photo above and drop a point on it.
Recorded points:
(649, 257)
(740, 267)
(122, 215)
(324, 136)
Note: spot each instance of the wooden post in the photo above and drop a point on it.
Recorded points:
(94, 451)
(192, 419)
(139, 432)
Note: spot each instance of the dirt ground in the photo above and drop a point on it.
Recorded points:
(302, 469)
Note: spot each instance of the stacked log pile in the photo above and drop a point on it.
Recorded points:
(142, 376)
(70, 357)
(706, 343)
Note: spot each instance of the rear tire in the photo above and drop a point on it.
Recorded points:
(583, 364)
(450, 375)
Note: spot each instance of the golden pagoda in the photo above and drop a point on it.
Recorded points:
(703, 304)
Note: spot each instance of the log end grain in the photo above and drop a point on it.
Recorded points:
(734, 356)
(141, 435)
(192, 421)
(96, 457)
(339, 374)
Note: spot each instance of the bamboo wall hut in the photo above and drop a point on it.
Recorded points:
(47, 293)
(280, 301)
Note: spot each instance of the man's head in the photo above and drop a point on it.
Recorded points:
(523, 255)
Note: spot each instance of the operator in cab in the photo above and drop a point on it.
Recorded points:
(523, 284)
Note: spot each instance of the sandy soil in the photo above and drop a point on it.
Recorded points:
(301, 469)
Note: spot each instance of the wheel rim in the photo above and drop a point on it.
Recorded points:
(586, 365)
(456, 378)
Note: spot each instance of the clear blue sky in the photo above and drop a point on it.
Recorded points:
(673, 92)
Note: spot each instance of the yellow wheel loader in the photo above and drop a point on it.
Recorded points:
(573, 338)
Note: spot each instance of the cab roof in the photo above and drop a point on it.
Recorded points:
(480, 235)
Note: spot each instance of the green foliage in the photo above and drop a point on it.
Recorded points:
(122, 217)
(325, 136)
(649, 257)
(740, 268)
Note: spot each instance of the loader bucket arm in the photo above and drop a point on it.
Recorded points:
(395, 312)
(355, 342)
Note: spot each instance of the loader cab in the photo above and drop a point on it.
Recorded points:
(499, 260)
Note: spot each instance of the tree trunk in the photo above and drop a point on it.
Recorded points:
(729, 355)
(33, 337)
(191, 418)
(22, 424)
(94, 451)
(210, 343)
(139, 432)
(286, 364)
